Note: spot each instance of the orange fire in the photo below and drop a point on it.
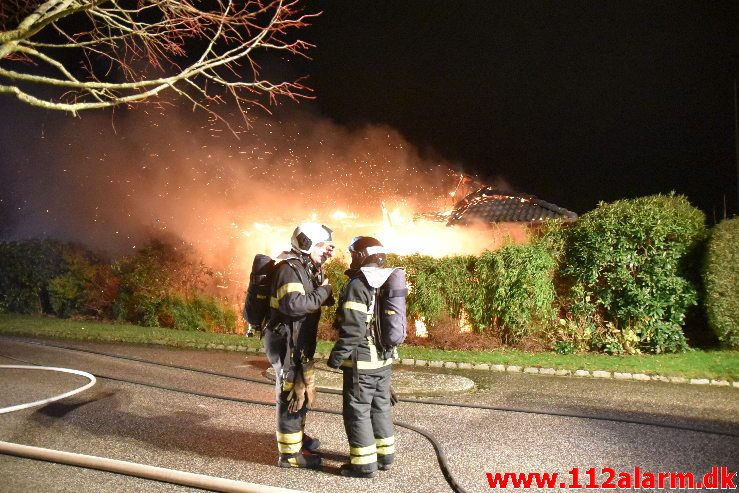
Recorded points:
(399, 223)
(402, 224)
(395, 227)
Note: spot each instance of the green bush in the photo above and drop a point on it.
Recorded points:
(627, 267)
(439, 287)
(515, 292)
(160, 285)
(552, 236)
(509, 291)
(67, 292)
(26, 267)
(721, 280)
(86, 286)
(201, 313)
(335, 269)
(159, 270)
(52, 277)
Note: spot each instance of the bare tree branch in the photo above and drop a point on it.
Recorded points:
(74, 55)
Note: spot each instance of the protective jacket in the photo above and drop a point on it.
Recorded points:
(366, 410)
(355, 347)
(295, 301)
(290, 338)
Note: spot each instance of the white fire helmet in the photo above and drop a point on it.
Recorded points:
(308, 234)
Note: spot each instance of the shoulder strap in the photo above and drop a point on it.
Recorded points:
(300, 271)
(374, 325)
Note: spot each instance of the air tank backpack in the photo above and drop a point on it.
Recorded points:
(390, 324)
(256, 305)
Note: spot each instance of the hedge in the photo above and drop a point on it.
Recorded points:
(26, 267)
(721, 280)
(161, 285)
(514, 291)
(628, 265)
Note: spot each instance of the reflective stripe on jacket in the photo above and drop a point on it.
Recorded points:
(293, 297)
(353, 314)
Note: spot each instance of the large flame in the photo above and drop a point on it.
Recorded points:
(400, 222)
(396, 226)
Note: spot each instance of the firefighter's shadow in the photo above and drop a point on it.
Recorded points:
(186, 431)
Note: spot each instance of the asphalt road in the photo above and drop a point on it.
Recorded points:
(236, 440)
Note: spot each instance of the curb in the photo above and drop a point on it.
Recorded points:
(500, 368)
(535, 370)
(594, 374)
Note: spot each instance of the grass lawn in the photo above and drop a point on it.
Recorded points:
(716, 364)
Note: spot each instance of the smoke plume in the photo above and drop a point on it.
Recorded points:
(112, 183)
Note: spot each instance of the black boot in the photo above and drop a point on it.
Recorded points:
(309, 443)
(351, 472)
(300, 460)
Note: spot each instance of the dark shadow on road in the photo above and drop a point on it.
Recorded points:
(61, 409)
(260, 364)
(335, 456)
(662, 420)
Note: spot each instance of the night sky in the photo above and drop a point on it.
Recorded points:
(575, 102)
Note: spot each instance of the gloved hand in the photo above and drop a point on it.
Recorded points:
(393, 398)
(309, 377)
(296, 397)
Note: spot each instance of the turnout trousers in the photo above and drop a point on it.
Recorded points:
(368, 418)
(289, 425)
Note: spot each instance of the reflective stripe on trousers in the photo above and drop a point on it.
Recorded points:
(289, 425)
(368, 419)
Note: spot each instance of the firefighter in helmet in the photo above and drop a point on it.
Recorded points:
(367, 406)
(299, 289)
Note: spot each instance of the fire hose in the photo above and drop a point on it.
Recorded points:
(43, 402)
(139, 470)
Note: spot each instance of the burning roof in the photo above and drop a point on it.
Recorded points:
(490, 205)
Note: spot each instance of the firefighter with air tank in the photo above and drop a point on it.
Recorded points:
(297, 291)
(371, 322)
